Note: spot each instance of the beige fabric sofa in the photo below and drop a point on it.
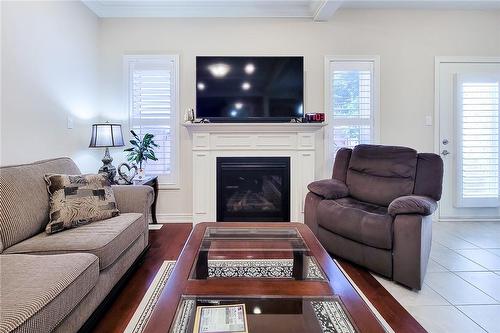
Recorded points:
(55, 282)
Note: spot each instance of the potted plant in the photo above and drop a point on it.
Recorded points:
(141, 151)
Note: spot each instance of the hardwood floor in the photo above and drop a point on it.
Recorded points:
(167, 243)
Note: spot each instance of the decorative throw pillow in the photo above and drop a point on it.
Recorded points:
(78, 199)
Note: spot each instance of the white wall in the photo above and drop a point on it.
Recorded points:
(406, 41)
(49, 71)
(58, 59)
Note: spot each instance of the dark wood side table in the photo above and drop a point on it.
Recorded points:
(153, 182)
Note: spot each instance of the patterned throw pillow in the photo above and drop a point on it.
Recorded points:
(77, 200)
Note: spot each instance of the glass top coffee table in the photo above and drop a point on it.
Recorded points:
(280, 271)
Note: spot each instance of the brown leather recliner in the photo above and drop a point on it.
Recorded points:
(375, 211)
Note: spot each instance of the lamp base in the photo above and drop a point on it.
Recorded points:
(108, 167)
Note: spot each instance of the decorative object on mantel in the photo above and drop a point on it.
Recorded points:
(141, 151)
(126, 177)
(189, 116)
(201, 121)
(105, 135)
(317, 117)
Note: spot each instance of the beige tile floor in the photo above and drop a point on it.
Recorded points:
(461, 291)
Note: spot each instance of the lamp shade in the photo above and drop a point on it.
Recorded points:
(106, 135)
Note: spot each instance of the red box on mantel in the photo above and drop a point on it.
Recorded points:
(315, 117)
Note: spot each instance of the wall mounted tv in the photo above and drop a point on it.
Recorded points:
(249, 89)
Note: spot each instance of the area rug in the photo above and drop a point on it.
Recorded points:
(143, 312)
(155, 226)
(262, 268)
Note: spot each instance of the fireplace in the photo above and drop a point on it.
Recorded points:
(253, 189)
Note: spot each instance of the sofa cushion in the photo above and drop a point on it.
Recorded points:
(379, 174)
(76, 200)
(38, 292)
(24, 208)
(359, 221)
(106, 239)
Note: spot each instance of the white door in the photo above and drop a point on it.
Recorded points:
(468, 101)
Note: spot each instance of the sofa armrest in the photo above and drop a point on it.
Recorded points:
(329, 188)
(412, 204)
(134, 198)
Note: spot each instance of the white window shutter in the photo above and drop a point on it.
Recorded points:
(352, 104)
(478, 134)
(153, 109)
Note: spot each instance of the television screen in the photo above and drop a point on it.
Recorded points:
(248, 89)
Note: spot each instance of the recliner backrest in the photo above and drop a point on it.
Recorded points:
(380, 174)
(24, 200)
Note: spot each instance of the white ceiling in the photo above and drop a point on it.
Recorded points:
(318, 10)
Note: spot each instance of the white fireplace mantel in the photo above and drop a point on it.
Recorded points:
(212, 140)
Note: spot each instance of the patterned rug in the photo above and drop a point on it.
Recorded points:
(330, 314)
(141, 316)
(260, 268)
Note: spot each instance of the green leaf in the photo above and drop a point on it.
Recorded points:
(150, 156)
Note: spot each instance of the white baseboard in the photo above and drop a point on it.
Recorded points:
(174, 218)
(469, 219)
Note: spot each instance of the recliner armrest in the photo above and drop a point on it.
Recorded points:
(329, 188)
(412, 204)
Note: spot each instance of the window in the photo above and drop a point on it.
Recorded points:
(351, 101)
(478, 135)
(152, 88)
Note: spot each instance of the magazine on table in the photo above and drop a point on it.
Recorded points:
(221, 319)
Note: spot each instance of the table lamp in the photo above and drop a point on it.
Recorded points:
(105, 135)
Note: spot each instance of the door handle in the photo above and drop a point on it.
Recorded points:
(445, 152)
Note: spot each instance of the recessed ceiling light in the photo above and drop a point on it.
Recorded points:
(219, 70)
(238, 105)
(233, 113)
(201, 86)
(246, 86)
(249, 68)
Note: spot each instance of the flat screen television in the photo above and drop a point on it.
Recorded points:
(249, 89)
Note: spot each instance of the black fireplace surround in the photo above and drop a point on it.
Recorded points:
(253, 189)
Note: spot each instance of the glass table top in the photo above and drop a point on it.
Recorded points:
(273, 314)
(244, 239)
(258, 253)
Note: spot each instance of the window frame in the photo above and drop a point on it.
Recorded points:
(172, 181)
(374, 120)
